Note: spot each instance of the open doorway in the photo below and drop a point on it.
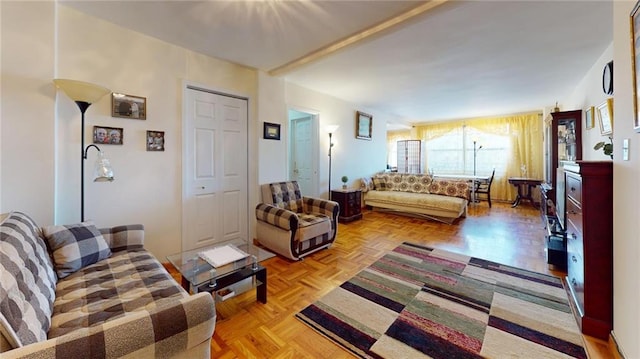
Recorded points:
(303, 150)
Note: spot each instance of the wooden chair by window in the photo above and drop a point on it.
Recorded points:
(484, 188)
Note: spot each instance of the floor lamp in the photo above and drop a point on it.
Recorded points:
(331, 129)
(84, 94)
(475, 156)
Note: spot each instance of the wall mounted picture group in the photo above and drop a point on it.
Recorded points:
(128, 106)
(108, 135)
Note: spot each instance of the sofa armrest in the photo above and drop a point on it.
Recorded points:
(319, 205)
(277, 216)
(128, 237)
(162, 332)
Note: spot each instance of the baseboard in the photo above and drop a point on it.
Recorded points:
(614, 348)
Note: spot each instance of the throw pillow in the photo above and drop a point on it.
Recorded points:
(75, 246)
(379, 183)
(366, 184)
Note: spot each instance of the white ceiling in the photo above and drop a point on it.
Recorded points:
(460, 59)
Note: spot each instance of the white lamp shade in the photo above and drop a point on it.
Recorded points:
(81, 91)
(103, 171)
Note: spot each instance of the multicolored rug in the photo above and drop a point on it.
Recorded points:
(418, 302)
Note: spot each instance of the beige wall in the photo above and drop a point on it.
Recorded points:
(626, 195)
(27, 111)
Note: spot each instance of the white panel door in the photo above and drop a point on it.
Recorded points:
(303, 170)
(215, 165)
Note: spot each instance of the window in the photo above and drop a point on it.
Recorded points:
(453, 152)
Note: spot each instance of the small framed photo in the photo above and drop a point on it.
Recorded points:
(155, 140)
(605, 114)
(589, 116)
(108, 135)
(128, 106)
(271, 131)
(364, 125)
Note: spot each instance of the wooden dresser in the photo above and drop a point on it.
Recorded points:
(350, 201)
(589, 213)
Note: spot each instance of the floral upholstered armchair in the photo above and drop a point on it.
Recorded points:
(293, 225)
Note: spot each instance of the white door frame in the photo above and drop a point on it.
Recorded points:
(251, 176)
(315, 146)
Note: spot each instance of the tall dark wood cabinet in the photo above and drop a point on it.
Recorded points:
(350, 201)
(589, 213)
(563, 142)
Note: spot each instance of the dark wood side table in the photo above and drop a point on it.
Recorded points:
(350, 201)
(524, 186)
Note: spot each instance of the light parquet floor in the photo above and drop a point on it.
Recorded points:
(248, 329)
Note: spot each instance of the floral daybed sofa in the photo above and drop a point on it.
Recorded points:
(79, 292)
(417, 194)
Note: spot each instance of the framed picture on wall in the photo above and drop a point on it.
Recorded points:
(589, 116)
(271, 131)
(605, 115)
(155, 140)
(128, 106)
(364, 125)
(108, 135)
(635, 52)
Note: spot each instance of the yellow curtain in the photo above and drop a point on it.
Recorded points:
(525, 134)
(392, 144)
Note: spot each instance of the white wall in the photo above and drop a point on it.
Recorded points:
(27, 111)
(351, 157)
(272, 163)
(589, 93)
(626, 196)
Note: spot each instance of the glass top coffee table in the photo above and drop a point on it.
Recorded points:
(198, 275)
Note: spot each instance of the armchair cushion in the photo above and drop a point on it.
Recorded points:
(75, 246)
(312, 225)
(286, 195)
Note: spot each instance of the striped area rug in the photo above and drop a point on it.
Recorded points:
(419, 302)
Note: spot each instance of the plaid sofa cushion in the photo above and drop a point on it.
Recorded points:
(129, 237)
(27, 282)
(379, 183)
(75, 246)
(124, 283)
(287, 195)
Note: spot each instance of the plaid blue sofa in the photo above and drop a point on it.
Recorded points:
(294, 225)
(79, 292)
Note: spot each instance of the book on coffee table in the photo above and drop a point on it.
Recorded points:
(220, 256)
